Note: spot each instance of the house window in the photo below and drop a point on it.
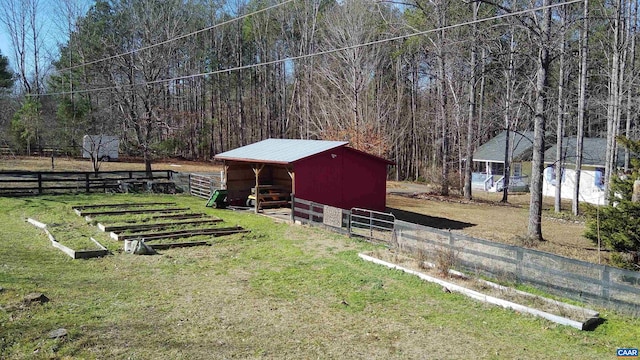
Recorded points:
(599, 178)
(550, 175)
(517, 169)
(497, 168)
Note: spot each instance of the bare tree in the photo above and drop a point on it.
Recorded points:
(582, 99)
(616, 74)
(472, 106)
(344, 77)
(537, 163)
(508, 101)
(559, 168)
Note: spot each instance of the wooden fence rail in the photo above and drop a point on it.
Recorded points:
(21, 183)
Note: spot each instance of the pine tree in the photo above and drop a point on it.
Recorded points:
(618, 224)
(6, 76)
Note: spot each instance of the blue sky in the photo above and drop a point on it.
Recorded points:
(52, 33)
(5, 46)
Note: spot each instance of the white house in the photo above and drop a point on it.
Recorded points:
(591, 174)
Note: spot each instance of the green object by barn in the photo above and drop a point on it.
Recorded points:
(218, 199)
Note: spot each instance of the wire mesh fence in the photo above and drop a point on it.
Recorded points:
(583, 281)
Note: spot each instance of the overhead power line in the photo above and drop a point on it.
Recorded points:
(176, 38)
(320, 53)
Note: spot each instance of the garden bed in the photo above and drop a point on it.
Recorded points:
(88, 248)
(486, 291)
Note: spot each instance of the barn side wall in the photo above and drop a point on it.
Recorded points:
(342, 178)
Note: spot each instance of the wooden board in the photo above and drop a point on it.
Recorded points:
(159, 217)
(273, 203)
(179, 216)
(124, 205)
(82, 254)
(138, 227)
(126, 212)
(175, 245)
(180, 233)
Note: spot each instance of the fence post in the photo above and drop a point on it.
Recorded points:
(370, 225)
(519, 257)
(293, 208)
(86, 182)
(39, 183)
(604, 282)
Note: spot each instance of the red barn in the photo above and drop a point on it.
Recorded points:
(327, 172)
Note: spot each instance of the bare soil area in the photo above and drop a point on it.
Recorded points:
(486, 217)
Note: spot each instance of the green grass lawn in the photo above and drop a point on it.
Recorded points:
(280, 291)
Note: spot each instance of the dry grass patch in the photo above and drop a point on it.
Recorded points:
(503, 223)
(33, 163)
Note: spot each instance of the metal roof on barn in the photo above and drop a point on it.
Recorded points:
(493, 150)
(593, 152)
(281, 151)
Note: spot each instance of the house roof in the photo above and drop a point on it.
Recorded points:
(593, 152)
(280, 151)
(521, 144)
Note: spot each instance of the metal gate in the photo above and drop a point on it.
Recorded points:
(202, 185)
(373, 225)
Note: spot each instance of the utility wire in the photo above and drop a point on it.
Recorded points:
(326, 52)
(176, 38)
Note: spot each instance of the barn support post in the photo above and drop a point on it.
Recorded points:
(293, 208)
(256, 170)
(292, 175)
(223, 176)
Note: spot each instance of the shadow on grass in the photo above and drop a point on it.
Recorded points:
(431, 221)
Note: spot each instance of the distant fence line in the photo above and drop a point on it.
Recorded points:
(583, 281)
(25, 183)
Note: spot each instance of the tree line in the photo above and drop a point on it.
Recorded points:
(322, 69)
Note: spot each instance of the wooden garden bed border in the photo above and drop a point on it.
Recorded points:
(156, 226)
(125, 205)
(129, 212)
(179, 233)
(80, 254)
(177, 244)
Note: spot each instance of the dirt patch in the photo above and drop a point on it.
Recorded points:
(506, 224)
